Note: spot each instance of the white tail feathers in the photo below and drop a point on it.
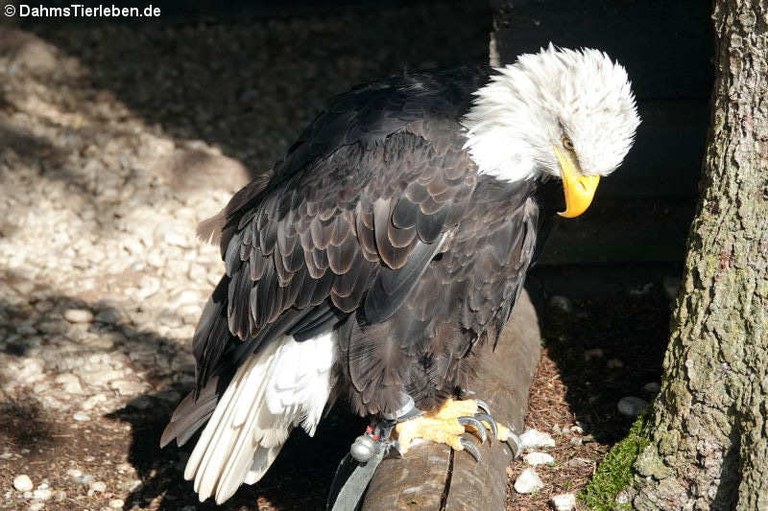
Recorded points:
(278, 387)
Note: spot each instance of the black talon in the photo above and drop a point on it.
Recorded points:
(479, 427)
(482, 405)
(471, 448)
(491, 422)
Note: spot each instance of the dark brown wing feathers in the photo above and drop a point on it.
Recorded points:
(460, 297)
(297, 254)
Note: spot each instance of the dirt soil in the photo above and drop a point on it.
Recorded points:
(115, 140)
(604, 330)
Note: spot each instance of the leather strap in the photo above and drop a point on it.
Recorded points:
(352, 479)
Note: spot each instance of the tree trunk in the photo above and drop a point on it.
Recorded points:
(709, 438)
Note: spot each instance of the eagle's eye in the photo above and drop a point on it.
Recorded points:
(567, 142)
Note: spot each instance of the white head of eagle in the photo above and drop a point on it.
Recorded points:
(566, 113)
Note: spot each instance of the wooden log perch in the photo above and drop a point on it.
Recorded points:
(431, 477)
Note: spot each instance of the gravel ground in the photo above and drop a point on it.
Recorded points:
(115, 141)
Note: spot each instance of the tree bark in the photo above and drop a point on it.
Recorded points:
(709, 436)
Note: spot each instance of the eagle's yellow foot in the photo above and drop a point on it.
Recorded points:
(449, 423)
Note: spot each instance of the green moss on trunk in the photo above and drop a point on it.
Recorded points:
(614, 474)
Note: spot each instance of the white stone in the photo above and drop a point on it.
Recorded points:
(631, 406)
(170, 319)
(70, 383)
(116, 503)
(78, 315)
(176, 237)
(36, 506)
(535, 439)
(133, 246)
(185, 297)
(98, 486)
(100, 376)
(197, 273)
(155, 259)
(24, 287)
(93, 401)
(538, 458)
(214, 278)
(22, 482)
(564, 502)
(652, 387)
(528, 482)
(190, 313)
(30, 370)
(81, 417)
(42, 494)
(75, 473)
(99, 342)
(127, 387)
(148, 286)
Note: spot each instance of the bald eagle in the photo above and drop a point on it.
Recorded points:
(390, 242)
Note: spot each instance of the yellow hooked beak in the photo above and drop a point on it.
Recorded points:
(579, 189)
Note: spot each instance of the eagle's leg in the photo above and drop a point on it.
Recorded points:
(448, 424)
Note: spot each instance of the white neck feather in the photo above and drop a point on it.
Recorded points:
(495, 137)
